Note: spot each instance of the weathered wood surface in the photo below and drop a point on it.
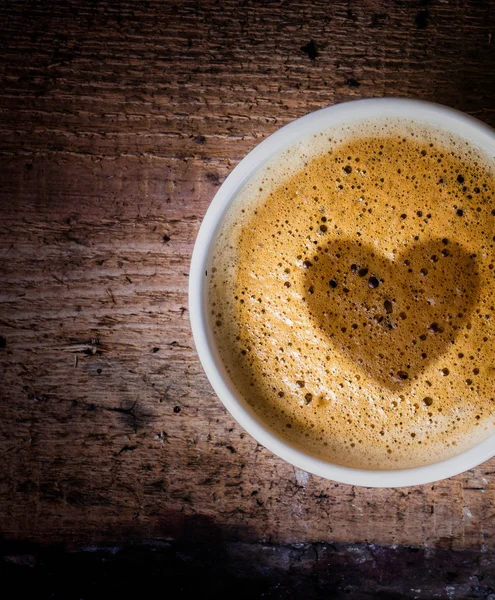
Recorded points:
(220, 569)
(118, 122)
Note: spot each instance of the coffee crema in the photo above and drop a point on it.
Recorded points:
(352, 295)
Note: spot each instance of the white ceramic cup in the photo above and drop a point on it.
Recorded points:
(438, 116)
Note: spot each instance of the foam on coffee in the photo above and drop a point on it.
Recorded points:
(352, 295)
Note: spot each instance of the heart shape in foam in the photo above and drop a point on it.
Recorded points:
(392, 317)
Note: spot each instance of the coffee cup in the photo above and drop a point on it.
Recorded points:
(445, 119)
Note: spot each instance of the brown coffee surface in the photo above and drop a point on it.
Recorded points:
(353, 302)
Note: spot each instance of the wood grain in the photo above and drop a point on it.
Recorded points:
(118, 122)
(224, 569)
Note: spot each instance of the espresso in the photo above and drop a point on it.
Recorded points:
(352, 296)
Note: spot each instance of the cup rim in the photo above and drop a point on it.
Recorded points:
(314, 122)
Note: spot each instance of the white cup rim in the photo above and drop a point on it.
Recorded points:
(436, 114)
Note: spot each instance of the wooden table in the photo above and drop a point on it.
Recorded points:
(118, 123)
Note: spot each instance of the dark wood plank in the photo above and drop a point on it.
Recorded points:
(225, 569)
